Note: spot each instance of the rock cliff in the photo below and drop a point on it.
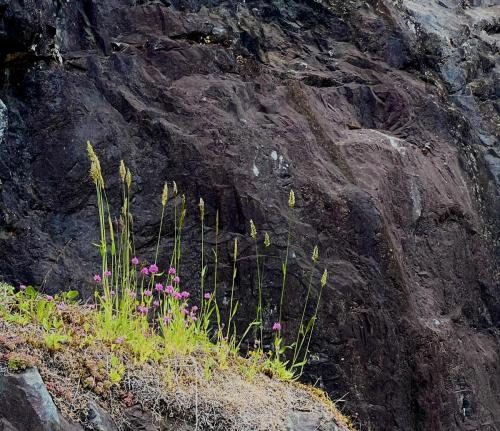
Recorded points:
(382, 115)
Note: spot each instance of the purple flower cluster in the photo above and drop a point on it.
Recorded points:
(161, 295)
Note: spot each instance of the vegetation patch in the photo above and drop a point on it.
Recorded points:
(144, 340)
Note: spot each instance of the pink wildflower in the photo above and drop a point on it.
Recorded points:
(167, 320)
(153, 269)
(207, 296)
(142, 309)
(176, 280)
(277, 326)
(112, 292)
(156, 303)
(22, 287)
(185, 294)
(107, 273)
(97, 278)
(159, 287)
(148, 293)
(134, 261)
(145, 271)
(49, 298)
(170, 289)
(119, 340)
(132, 294)
(60, 306)
(171, 271)
(177, 295)
(194, 309)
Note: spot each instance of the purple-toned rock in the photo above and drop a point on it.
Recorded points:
(26, 405)
(381, 115)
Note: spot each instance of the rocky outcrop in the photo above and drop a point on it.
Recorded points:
(25, 404)
(382, 115)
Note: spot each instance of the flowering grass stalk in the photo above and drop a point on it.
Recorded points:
(182, 216)
(284, 269)
(173, 261)
(302, 331)
(259, 317)
(201, 206)
(164, 201)
(312, 321)
(284, 266)
(233, 309)
(212, 305)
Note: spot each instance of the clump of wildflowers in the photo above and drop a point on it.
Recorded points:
(138, 300)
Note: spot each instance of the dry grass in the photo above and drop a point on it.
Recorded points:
(196, 389)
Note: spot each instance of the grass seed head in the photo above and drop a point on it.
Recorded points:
(235, 248)
(253, 230)
(324, 278)
(164, 196)
(122, 171)
(129, 178)
(315, 254)
(95, 166)
(291, 199)
(201, 205)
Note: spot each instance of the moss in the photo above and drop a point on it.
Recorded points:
(17, 362)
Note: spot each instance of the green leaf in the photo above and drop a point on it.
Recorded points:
(31, 292)
(299, 364)
(235, 309)
(71, 295)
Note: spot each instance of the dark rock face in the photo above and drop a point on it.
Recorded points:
(26, 405)
(382, 116)
(99, 420)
